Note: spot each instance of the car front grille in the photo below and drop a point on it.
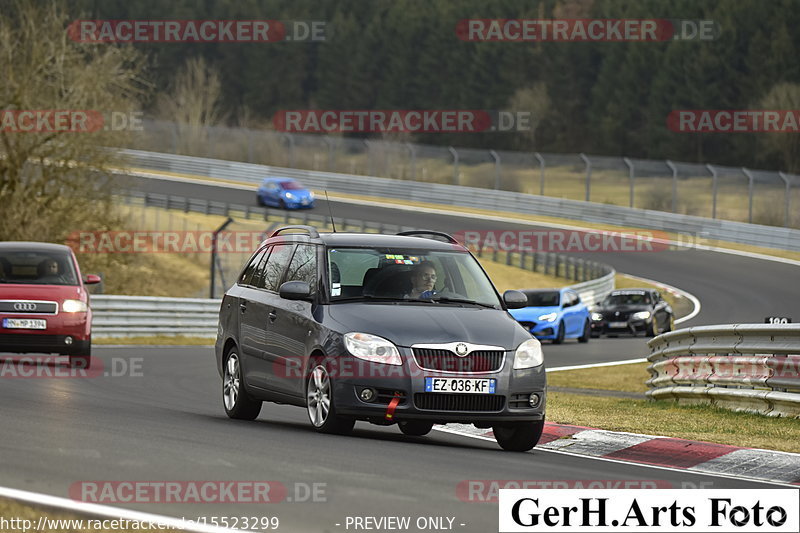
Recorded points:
(612, 316)
(528, 325)
(21, 307)
(459, 402)
(447, 361)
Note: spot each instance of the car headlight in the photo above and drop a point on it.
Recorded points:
(290, 196)
(311, 194)
(549, 317)
(597, 317)
(528, 355)
(372, 348)
(641, 315)
(74, 306)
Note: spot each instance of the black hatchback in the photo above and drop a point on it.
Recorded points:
(400, 329)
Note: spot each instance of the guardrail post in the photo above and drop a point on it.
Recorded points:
(412, 153)
(630, 177)
(787, 197)
(454, 153)
(496, 169)
(750, 182)
(290, 147)
(540, 159)
(522, 258)
(208, 207)
(588, 164)
(674, 170)
(509, 258)
(713, 190)
(214, 253)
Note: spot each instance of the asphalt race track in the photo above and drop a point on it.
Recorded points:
(166, 422)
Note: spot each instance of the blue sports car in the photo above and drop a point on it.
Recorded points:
(285, 193)
(555, 314)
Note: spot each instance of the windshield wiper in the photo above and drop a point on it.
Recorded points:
(463, 301)
(367, 297)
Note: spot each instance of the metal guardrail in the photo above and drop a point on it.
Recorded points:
(747, 367)
(472, 197)
(130, 316)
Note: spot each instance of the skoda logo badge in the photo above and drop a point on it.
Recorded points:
(24, 306)
(461, 349)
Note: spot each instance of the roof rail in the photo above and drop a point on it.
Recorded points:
(449, 238)
(310, 230)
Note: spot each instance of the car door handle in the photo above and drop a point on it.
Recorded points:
(243, 307)
(272, 316)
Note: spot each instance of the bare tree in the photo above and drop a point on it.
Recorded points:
(193, 104)
(53, 176)
(535, 102)
(783, 96)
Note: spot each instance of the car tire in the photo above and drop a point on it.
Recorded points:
(560, 337)
(670, 324)
(652, 329)
(415, 428)
(238, 404)
(320, 403)
(519, 436)
(587, 333)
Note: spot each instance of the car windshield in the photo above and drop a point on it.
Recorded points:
(408, 274)
(542, 298)
(37, 268)
(291, 185)
(631, 298)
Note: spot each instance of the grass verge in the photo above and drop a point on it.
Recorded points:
(156, 340)
(666, 418)
(625, 378)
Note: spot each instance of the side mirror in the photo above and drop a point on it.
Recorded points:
(295, 290)
(515, 299)
(92, 279)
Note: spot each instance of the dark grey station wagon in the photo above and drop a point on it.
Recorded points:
(400, 329)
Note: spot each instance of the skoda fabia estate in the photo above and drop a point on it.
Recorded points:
(400, 329)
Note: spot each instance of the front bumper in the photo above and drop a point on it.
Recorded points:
(295, 204)
(508, 404)
(76, 326)
(631, 326)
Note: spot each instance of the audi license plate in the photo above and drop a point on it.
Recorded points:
(24, 323)
(618, 324)
(462, 385)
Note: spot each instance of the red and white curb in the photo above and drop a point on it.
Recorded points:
(664, 452)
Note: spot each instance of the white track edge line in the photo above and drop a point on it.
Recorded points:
(107, 511)
(619, 461)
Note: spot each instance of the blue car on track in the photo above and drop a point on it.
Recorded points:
(555, 314)
(285, 193)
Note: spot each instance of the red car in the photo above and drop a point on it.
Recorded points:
(44, 304)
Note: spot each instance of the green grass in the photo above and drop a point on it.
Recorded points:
(667, 418)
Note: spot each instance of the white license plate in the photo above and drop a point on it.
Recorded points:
(461, 385)
(618, 324)
(24, 323)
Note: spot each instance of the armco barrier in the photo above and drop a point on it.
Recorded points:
(130, 316)
(748, 367)
(738, 232)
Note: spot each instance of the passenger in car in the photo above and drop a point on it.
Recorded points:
(48, 271)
